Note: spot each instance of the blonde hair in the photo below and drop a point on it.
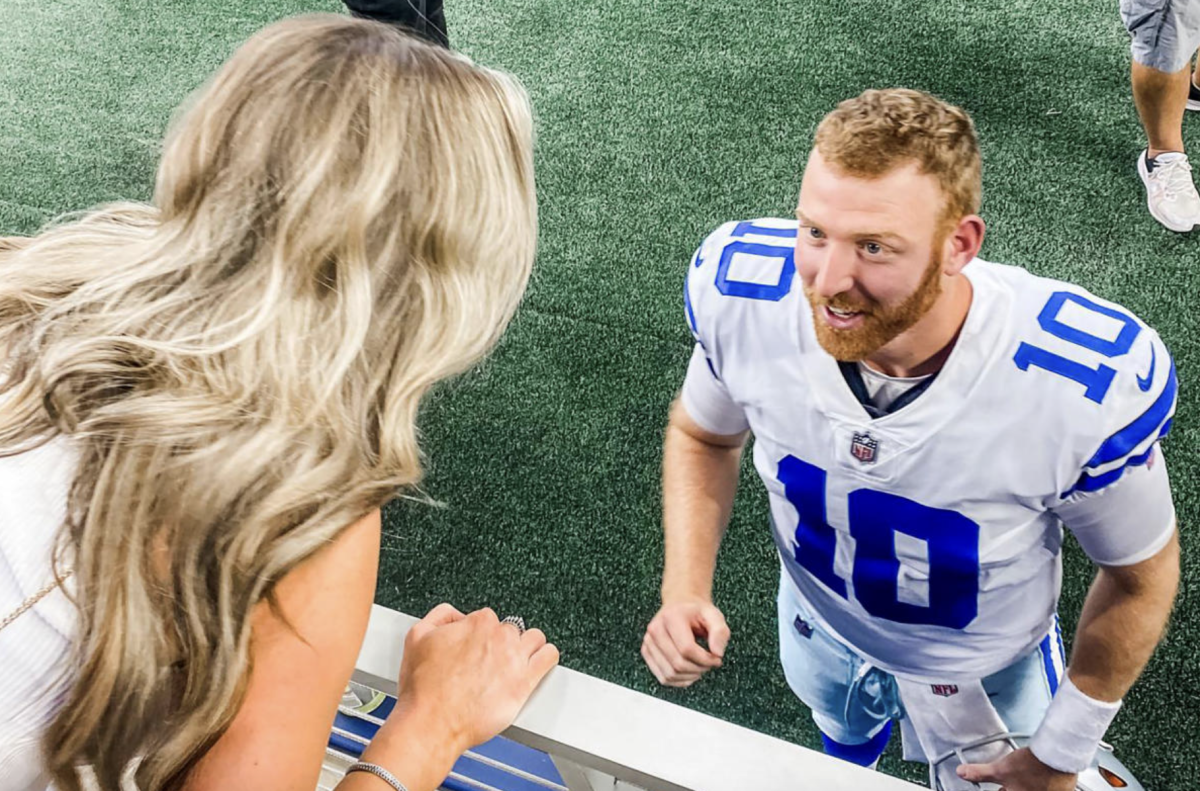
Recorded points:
(343, 217)
(879, 130)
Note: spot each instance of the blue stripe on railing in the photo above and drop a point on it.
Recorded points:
(1142, 428)
(385, 708)
(489, 776)
(503, 751)
(346, 745)
(359, 727)
(518, 756)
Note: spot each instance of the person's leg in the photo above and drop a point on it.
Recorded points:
(1164, 35)
(426, 18)
(1021, 692)
(1161, 99)
(848, 699)
(1193, 102)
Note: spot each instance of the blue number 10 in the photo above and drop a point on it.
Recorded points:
(875, 520)
(1096, 380)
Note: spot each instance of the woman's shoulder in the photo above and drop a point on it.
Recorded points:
(34, 486)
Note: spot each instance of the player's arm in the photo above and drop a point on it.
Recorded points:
(1123, 620)
(1128, 529)
(1122, 513)
(700, 475)
(702, 449)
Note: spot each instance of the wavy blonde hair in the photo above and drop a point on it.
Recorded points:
(343, 217)
(879, 130)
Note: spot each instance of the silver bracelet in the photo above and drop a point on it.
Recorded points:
(379, 772)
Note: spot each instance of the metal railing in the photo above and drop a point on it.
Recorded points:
(604, 737)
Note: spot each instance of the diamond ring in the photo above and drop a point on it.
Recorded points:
(515, 620)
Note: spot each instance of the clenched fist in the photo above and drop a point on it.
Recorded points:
(671, 646)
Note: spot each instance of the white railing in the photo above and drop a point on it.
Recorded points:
(604, 737)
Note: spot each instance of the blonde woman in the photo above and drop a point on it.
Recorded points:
(206, 401)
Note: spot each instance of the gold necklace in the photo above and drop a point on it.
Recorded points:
(32, 600)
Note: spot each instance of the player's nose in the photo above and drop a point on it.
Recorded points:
(835, 272)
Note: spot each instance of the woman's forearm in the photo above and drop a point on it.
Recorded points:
(408, 747)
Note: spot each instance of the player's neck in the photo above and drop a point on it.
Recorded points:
(926, 346)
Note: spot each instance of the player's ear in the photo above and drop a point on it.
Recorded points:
(963, 243)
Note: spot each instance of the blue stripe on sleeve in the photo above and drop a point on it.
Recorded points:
(712, 369)
(1142, 428)
(691, 317)
(687, 306)
(1092, 483)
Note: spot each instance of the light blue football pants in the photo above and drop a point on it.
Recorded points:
(852, 701)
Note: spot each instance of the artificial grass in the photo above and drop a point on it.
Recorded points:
(656, 121)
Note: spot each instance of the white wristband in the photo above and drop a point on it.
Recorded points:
(1072, 729)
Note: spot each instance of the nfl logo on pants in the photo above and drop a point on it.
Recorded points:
(864, 446)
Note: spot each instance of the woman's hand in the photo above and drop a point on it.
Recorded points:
(463, 680)
(470, 674)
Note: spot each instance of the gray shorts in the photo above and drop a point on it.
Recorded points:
(1166, 33)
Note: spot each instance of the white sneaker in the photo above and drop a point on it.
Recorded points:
(1170, 192)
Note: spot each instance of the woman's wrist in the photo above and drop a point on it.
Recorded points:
(415, 748)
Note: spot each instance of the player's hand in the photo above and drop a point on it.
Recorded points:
(671, 648)
(466, 677)
(1019, 771)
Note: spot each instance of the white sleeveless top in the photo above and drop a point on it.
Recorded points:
(33, 499)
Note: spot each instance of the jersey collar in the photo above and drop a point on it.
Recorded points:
(946, 394)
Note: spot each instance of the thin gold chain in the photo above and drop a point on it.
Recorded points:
(32, 600)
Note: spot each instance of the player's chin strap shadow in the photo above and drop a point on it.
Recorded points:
(1105, 774)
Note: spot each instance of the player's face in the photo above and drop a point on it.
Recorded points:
(870, 254)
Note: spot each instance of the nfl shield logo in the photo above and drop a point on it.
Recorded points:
(945, 690)
(863, 447)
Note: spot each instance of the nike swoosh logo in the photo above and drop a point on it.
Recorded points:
(1144, 384)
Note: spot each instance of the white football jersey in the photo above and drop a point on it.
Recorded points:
(928, 539)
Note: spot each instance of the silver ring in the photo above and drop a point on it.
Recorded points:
(515, 620)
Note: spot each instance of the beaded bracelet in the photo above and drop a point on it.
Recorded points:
(379, 772)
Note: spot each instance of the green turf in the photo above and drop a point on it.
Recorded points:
(658, 120)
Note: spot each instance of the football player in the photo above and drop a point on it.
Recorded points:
(926, 423)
